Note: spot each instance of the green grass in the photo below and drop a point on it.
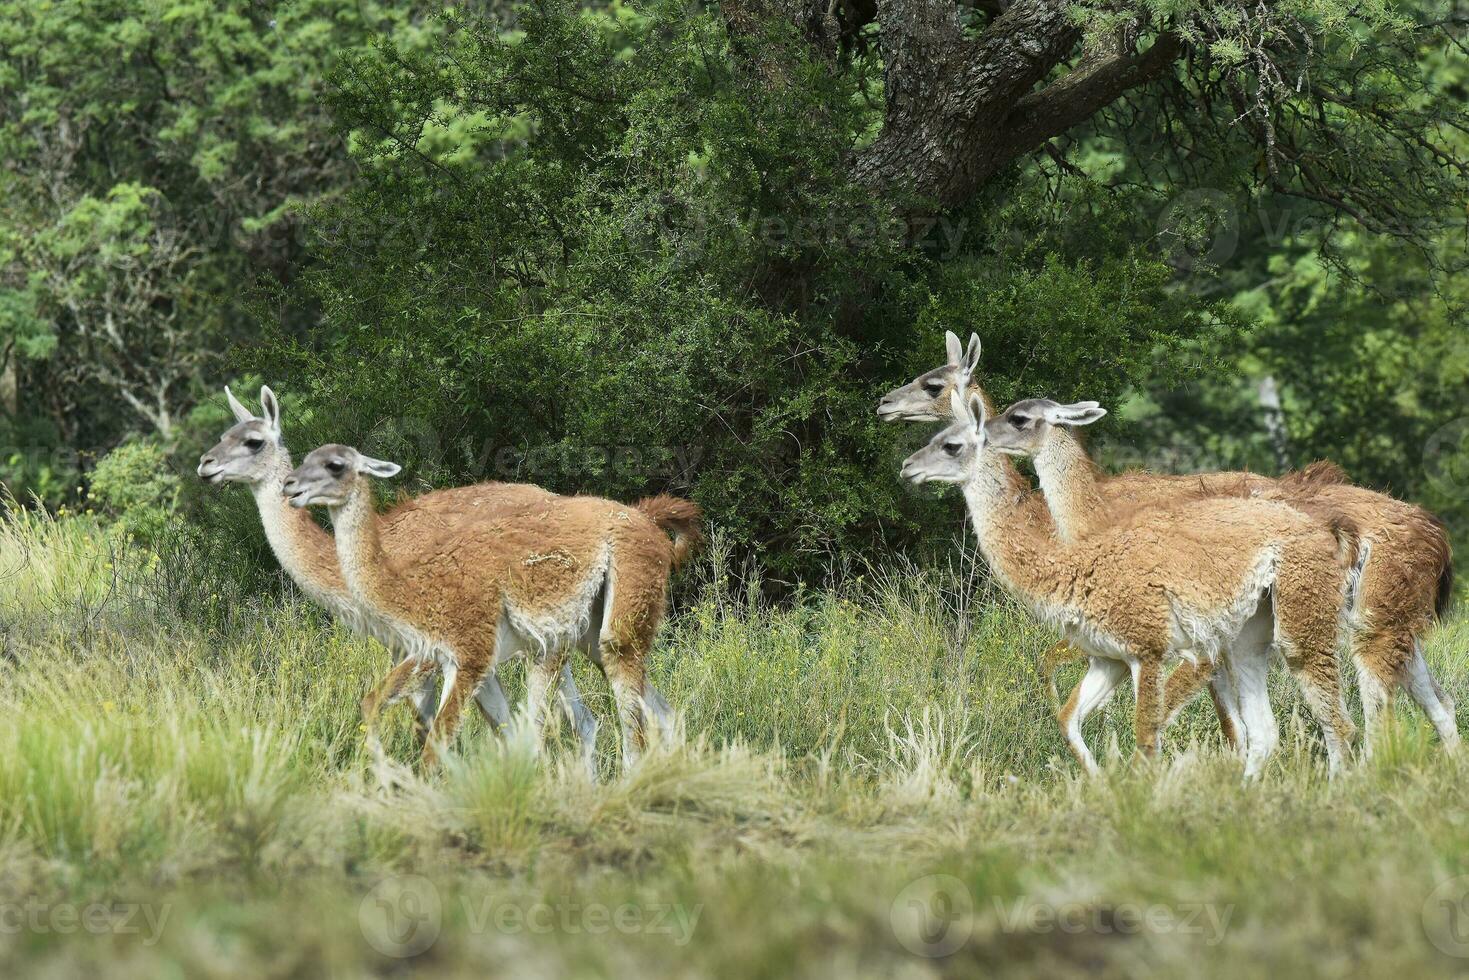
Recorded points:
(184, 764)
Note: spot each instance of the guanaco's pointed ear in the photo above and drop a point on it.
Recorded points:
(379, 468)
(976, 410)
(271, 407)
(1077, 413)
(971, 356)
(242, 414)
(955, 348)
(957, 406)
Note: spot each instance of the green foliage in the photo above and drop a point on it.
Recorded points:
(611, 248)
(156, 156)
(135, 486)
(1345, 105)
(1366, 344)
(604, 256)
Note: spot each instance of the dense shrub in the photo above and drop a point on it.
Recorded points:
(135, 485)
(600, 255)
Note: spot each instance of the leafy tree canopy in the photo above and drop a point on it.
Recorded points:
(626, 248)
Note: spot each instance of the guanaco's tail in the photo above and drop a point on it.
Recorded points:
(1353, 550)
(1349, 543)
(1445, 555)
(1445, 591)
(680, 518)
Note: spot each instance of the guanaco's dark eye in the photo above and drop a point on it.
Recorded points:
(953, 448)
(336, 467)
(933, 388)
(1019, 421)
(254, 444)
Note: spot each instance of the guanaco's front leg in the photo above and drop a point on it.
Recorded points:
(1148, 676)
(398, 684)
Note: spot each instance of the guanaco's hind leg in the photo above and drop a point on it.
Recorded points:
(1394, 607)
(1376, 692)
(492, 703)
(628, 685)
(660, 709)
(1321, 689)
(425, 701)
(1431, 698)
(1248, 668)
(1379, 673)
(635, 600)
(1382, 644)
(583, 721)
(1309, 592)
(1060, 652)
(541, 678)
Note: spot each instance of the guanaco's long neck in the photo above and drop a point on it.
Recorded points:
(1003, 470)
(989, 405)
(1018, 541)
(304, 550)
(1069, 481)
(359, 550)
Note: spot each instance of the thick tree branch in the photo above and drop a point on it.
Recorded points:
(962, 101)
(959, 106)
(1082, 93)
(947, 93)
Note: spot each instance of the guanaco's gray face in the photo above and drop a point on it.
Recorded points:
(926, 397)
(251, 449)
(952, 455)
(326, 476)
(1022, 429)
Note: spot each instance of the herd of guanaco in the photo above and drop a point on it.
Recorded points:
(1176, 582)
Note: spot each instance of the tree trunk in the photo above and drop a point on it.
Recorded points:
(948, 96)
(9, 383)
(1269, 395)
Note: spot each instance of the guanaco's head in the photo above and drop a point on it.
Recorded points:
(1022, 429)
(251, 449)
(926, 397)
(952, 455)
(327, 475)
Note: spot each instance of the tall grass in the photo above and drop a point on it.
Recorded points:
(181, 743)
